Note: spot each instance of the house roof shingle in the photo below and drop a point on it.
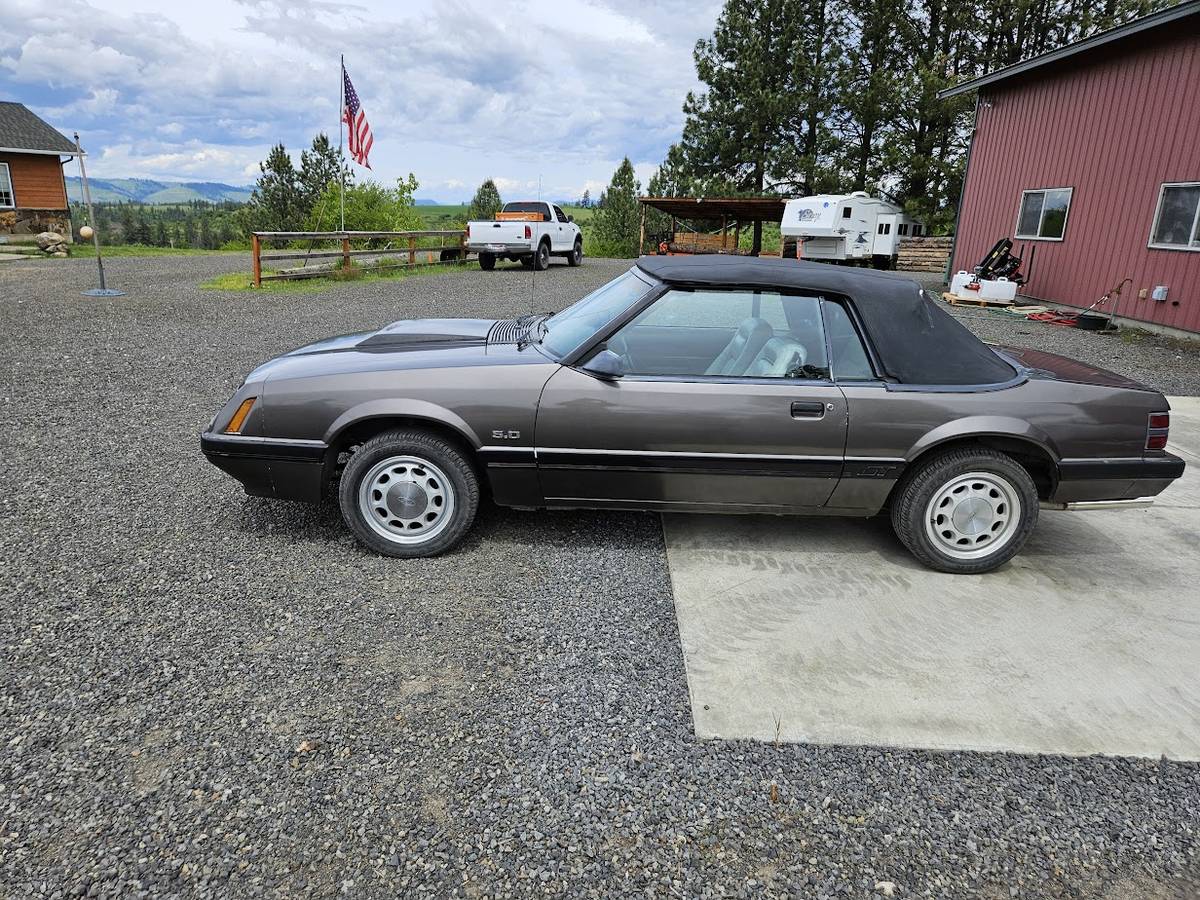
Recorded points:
(22, 130)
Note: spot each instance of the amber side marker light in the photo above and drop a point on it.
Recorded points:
(239, 417)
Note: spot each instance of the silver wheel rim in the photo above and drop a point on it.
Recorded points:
(973, 515)
(406, 499)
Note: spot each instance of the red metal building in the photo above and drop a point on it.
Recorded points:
(1088, 158)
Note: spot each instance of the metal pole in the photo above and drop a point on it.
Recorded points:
(103, 290)
(341, 159)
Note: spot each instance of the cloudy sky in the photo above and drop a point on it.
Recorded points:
(559, 90)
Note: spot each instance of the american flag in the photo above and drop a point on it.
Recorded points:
(360, 138)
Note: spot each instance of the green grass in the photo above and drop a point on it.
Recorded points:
(85, 249)
(243, 281)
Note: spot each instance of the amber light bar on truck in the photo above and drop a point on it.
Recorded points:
(239, 417)
(1157, 427)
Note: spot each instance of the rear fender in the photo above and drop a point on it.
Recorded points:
(984, 426)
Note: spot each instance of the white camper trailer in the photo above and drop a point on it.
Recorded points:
(846, 228)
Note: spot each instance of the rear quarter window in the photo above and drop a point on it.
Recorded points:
(849, 360)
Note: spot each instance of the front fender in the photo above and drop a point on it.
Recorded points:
(406, 408)
(984, 426)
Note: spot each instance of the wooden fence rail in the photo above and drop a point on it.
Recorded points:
(451, 246)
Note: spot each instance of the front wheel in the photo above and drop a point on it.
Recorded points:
(966, 511)
(487, 261)
(576, 256)
(408, 493)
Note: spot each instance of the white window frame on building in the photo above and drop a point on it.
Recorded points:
(1193, 242)
(1070, 192)
(6, 179)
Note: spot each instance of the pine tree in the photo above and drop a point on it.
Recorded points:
(319, 167)
(616, 223)
(748, 109)
(486, 202)
(586, 200)
(275, 203)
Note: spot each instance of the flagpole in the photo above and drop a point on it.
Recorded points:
(341, 158)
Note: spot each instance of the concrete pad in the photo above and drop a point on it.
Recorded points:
(827, 631)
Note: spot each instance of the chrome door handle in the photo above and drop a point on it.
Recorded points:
(807, 409)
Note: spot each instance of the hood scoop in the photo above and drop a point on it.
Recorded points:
(417, 332)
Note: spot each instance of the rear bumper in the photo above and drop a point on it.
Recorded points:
(1092, 480)
(498, 248)
(268, 467)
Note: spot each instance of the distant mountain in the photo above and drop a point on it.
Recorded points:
(425, 202)
(144, 190)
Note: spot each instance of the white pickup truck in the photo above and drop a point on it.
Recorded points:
(530, 231)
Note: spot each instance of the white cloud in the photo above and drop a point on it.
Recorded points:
(552, 90)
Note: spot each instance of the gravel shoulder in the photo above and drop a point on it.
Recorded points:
(204, 694)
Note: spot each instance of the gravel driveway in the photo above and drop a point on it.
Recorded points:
(205, 694)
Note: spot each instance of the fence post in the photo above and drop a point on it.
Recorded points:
(255, 252)
(462, 247)
(412, 251)
(345, 252)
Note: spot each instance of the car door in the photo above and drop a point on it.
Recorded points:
(700, 419)
(562, 238)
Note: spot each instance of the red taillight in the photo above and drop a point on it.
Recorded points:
(528, 232)
(1158, 426)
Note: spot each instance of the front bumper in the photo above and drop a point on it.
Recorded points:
(1092, 480)
(270, 467)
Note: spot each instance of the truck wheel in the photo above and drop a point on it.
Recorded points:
(487, 262)
(541, 259)
(527, 261)
(576, 255)
(966, 511)
(408, 493)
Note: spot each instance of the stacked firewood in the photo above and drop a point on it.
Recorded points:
(924, 254)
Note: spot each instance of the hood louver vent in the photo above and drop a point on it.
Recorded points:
(506, 331)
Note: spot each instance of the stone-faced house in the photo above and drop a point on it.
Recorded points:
(33, 191)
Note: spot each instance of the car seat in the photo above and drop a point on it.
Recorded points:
(779, 357)
(743, 348)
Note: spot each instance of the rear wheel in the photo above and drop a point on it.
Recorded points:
(487, 262)
(966, 511)
(541, 259)
(408, 493)
(576, 256)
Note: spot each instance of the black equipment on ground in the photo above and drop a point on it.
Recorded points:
(1000, 263)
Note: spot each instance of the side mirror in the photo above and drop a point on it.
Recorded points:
(605, 364)
(570, 218)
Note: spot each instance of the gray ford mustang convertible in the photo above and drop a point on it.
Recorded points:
(700, 384)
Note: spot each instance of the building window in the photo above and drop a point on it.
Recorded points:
(7, 200)
(916, 231)
(1043, 215)
(902, 228)
(1177, 217)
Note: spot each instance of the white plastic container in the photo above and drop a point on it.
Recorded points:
(960, 281)
(999, 289)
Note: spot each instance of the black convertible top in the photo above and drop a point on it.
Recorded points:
(915, 340)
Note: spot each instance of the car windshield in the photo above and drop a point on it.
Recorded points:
(565, 331)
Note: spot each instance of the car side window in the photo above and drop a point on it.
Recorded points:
(848, 356)
(560, 215)
(730, 334)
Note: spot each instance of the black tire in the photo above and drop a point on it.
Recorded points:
(575, 257)
(881, 262)
(527, 261)
(424, 454)
(935, 538)
(541, 259)
(487, 262)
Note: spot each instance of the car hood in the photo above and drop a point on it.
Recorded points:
(407, 334)
(407, 344)
(1052, 367)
